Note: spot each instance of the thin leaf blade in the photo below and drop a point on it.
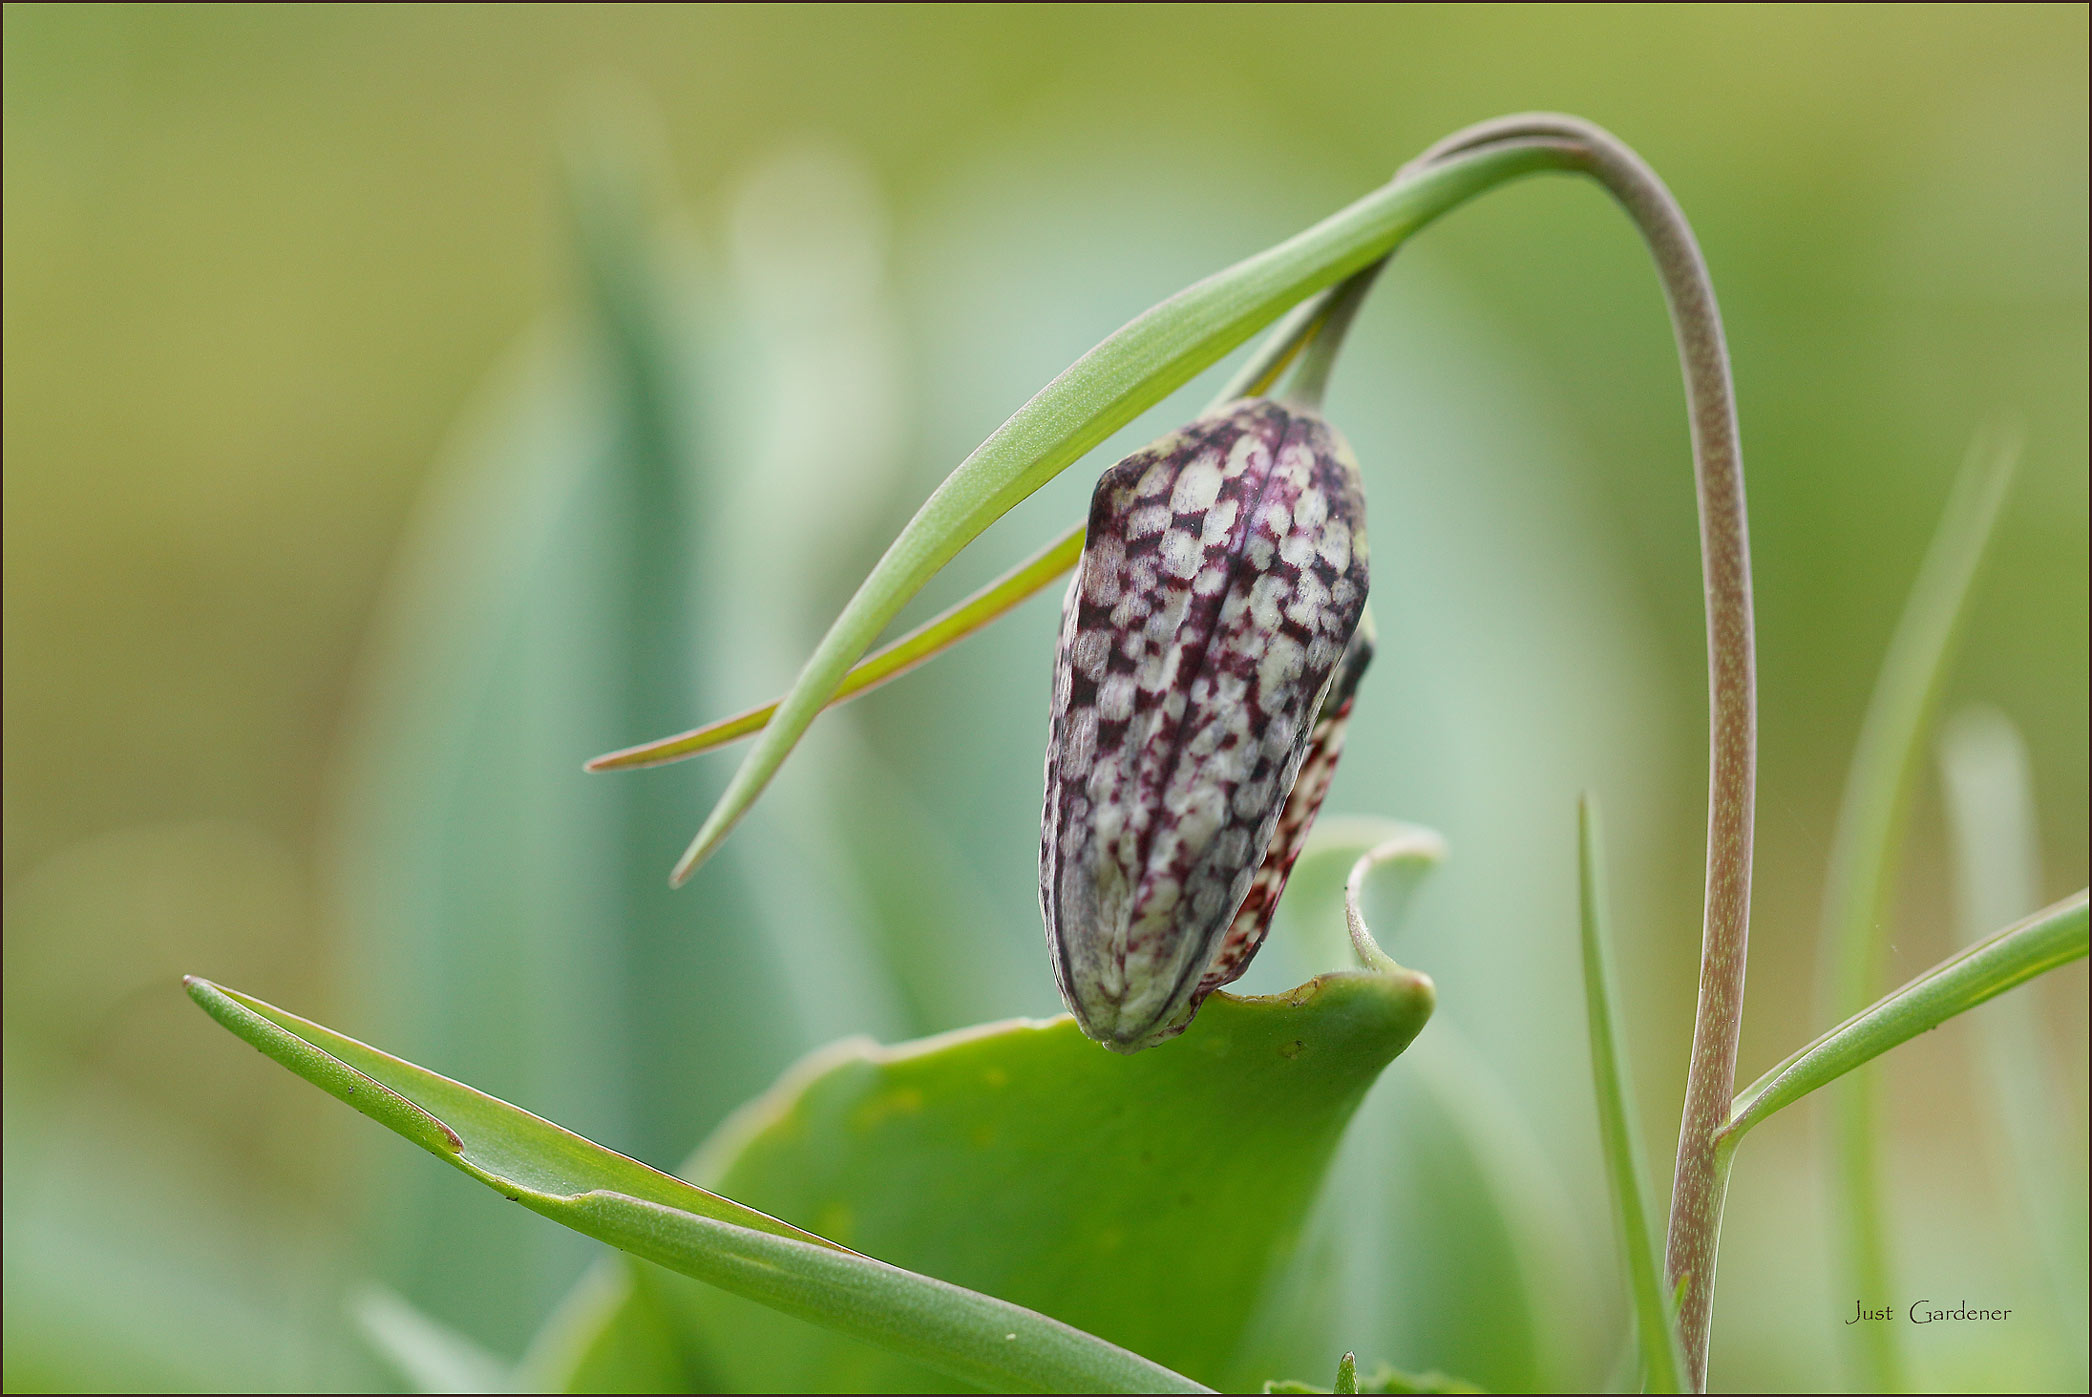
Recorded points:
(946, 629)
(1656, 1328)
(1133, 369)
(918, 647)
(1871, 820)
(615, 1199)
(2052, 937)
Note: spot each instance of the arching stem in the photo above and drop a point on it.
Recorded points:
(1700, 1181)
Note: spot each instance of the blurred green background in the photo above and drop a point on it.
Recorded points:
(405, 404)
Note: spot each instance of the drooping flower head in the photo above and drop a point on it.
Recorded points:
(1222, 581)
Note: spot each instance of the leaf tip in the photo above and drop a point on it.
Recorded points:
(699, 850)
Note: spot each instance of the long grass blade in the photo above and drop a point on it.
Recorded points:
(1870, 826)
(976, 1338)
(919, 646)
(2052, 937)
(1663, 1360)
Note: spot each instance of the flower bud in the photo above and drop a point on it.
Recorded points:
(1222, 579)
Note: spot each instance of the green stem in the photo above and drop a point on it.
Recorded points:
(1700, 1182)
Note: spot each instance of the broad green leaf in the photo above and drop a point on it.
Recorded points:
(1143, 1199)
(1871, 819)
(2054, 936)
(1663, 1363)
(661, 1218)
(1134, 368)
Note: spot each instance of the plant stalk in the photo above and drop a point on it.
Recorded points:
(1701, 1179)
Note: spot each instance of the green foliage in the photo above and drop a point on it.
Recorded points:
(2052, 937)
(1003, 1206)
(1145, 1205)
(1382, 1379)
(1988, 788)
(1871, 821)
(1135, 368)
(1656, 1325)
(1339, 1033)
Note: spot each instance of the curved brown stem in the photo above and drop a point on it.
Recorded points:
(1701, 1180)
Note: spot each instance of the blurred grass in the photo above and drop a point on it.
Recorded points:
(257, 260)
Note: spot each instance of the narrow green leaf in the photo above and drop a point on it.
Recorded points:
(954, 624)
(919, 646)
(659, 1217)
(1871, 819)
(1133, 369)
(2054, 936)
(429, 1354)
(1347, 1374)
(510, 1150)
(1663, 1362)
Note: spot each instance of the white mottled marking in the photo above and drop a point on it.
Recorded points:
(1284, 661)
(1310, 510)
(1246, 453)
(1100, 570)
(1334, 545)
(1088, 652)
(1115, 698)
(1180, 553)
(1198, 485)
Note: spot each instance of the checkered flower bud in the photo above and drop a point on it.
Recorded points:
(1221, 583)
